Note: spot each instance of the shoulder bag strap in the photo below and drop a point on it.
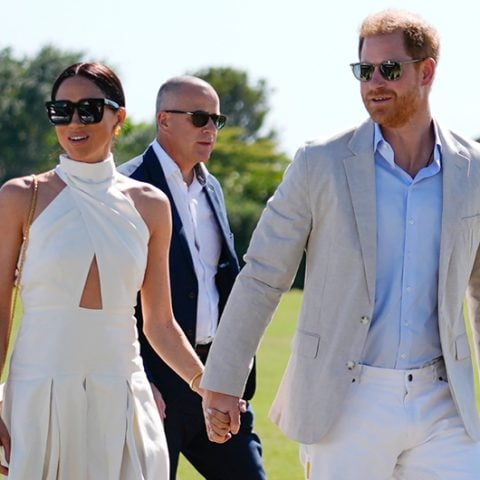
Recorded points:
(26, 237)
(33, 204)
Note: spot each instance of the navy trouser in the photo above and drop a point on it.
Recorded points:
(238, 459)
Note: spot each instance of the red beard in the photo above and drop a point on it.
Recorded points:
(396, 112)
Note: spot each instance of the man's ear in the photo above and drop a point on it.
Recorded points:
(162, 120)
(428, 67)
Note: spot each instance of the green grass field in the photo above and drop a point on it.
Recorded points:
(280, 454)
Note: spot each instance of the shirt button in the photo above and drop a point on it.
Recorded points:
(364, 320)
(403, 355)
(411, 221)
(350, 364)
(191, 295)
(409, 289)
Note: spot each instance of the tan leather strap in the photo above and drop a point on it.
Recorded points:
(26, 236)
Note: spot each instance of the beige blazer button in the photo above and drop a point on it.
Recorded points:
(350, 364)
(364, 320)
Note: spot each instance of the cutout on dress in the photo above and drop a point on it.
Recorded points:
(92, 294)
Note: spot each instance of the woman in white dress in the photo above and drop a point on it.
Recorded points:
(77, 404)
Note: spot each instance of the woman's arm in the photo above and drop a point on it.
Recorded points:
(159, 325)
(15, 197)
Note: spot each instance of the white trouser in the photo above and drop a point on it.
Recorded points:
(396, 425)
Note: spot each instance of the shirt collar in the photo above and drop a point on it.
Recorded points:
(381, 146)
(171, 169)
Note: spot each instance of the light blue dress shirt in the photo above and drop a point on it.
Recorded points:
(404, 329)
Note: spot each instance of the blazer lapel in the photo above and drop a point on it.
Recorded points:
(218, 208)
(360, 172)
(455, 166)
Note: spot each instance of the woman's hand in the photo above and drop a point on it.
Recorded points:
(5, 444)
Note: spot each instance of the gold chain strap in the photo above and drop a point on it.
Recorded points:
(26, 237)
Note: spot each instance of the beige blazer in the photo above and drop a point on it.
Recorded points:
(326, 206)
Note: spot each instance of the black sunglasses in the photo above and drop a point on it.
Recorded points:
(390, 69)
(201, 118)
(90, 110)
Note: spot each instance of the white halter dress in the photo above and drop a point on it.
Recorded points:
(77, 402)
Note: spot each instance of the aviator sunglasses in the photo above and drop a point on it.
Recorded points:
(90, 110)
(201, 118)
(390, 69)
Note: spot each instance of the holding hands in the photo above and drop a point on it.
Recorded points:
(222, 415)
(220, 410)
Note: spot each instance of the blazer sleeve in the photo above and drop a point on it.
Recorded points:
(272, 260)
(473, 307)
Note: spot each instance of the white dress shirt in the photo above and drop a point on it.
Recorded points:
(204, 241)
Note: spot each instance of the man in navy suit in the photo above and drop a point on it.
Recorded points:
(203, 267)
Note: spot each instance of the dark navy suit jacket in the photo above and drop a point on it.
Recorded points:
(183, 281)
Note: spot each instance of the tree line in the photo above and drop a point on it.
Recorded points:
(246, 160)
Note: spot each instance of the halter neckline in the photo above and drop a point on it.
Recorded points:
(87, 176)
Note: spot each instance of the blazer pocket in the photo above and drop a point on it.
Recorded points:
(306, 344)
(462, 348)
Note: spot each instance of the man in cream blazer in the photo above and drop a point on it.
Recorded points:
(380, 381)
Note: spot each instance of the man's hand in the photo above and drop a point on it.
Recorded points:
(160, 402)
(222, 415)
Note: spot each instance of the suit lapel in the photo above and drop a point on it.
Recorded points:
(360, 172)
(157, 177)
(218, 208)
(455, 166)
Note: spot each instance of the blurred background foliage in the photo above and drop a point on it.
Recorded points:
(247, 159)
